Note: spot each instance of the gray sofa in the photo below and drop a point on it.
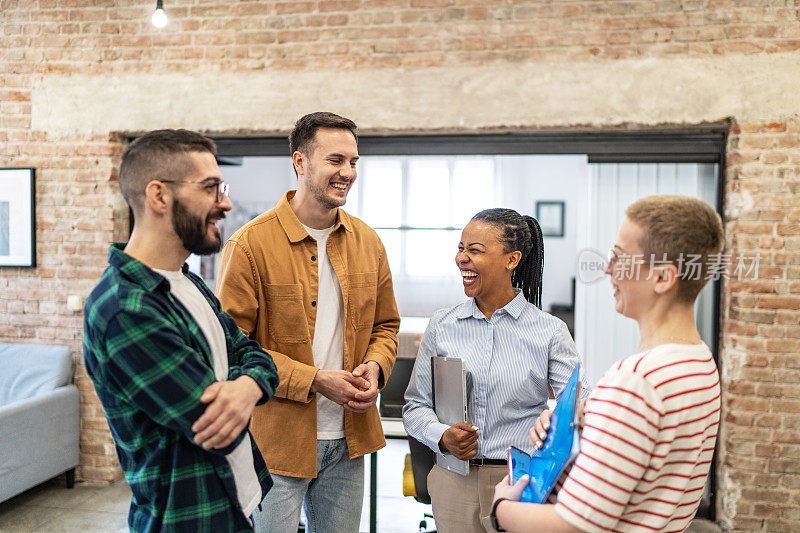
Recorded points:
(38, 416)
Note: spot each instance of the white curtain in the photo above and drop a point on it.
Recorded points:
(602, 335)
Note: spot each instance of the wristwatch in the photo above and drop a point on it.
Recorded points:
(493, 514)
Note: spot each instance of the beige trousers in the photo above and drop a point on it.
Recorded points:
(461, 504)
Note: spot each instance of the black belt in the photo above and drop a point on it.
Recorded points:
(488, 462)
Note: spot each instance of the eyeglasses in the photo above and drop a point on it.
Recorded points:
(612, 256)
(221, 189)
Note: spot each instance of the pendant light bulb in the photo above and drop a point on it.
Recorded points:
(159, 18)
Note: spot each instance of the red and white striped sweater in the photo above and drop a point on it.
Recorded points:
(649, 431)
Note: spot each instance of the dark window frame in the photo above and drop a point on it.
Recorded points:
(610, 147)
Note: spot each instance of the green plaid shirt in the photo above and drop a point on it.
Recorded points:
(150, 363)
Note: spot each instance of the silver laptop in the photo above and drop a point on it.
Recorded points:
(450, 403)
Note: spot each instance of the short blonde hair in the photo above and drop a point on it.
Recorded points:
(676, 227)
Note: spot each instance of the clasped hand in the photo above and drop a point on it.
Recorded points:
(356, 390)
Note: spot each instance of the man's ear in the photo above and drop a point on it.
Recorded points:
(157, 197)
(299, 162)
(666, 278)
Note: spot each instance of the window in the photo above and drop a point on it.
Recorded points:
(419, 205)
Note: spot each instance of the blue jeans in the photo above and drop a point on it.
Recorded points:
(332, 500)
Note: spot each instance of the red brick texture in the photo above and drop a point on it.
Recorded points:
(759, 446)
(79, 209)
(55, 35)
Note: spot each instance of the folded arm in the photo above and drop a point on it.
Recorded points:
(150, 365)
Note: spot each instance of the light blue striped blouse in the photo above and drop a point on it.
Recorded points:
(511, 358)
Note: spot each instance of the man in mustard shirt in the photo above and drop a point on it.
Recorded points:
(312, 285)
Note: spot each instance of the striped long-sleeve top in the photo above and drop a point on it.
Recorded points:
(650, 428)
(511, 359)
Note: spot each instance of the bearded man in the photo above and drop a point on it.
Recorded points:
(177, 379)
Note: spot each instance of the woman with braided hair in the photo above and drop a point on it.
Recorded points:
(512, 350)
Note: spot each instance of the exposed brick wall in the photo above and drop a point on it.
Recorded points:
(759, 460)
(332, 34)
(79, 209)
(76, 217)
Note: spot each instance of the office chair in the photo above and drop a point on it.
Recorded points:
(392, 397)
(422, 459)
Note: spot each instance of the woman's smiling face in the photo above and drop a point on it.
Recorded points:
(629, 272)
(484, 263)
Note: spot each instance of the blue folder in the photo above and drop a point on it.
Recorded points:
(558, 450)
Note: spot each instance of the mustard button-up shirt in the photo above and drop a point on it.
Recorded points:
(267, 281)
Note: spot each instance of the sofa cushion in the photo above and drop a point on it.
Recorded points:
(27, 370)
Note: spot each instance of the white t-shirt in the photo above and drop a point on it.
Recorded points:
(248, 489)
(328, 336)
(650, 428)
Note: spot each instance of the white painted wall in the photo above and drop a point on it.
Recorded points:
(602, 335)
(532, 178)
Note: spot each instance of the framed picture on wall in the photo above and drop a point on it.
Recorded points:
(550, 215)
(17, 217)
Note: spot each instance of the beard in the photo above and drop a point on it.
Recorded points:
(192, 230)
(320, 191)
(320, 194)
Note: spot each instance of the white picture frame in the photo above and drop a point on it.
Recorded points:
(17, 217)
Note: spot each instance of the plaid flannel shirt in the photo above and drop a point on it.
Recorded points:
(150, 363)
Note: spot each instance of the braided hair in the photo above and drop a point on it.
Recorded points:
(520, 233)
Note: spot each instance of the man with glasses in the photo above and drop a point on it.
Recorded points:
(177, 378)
